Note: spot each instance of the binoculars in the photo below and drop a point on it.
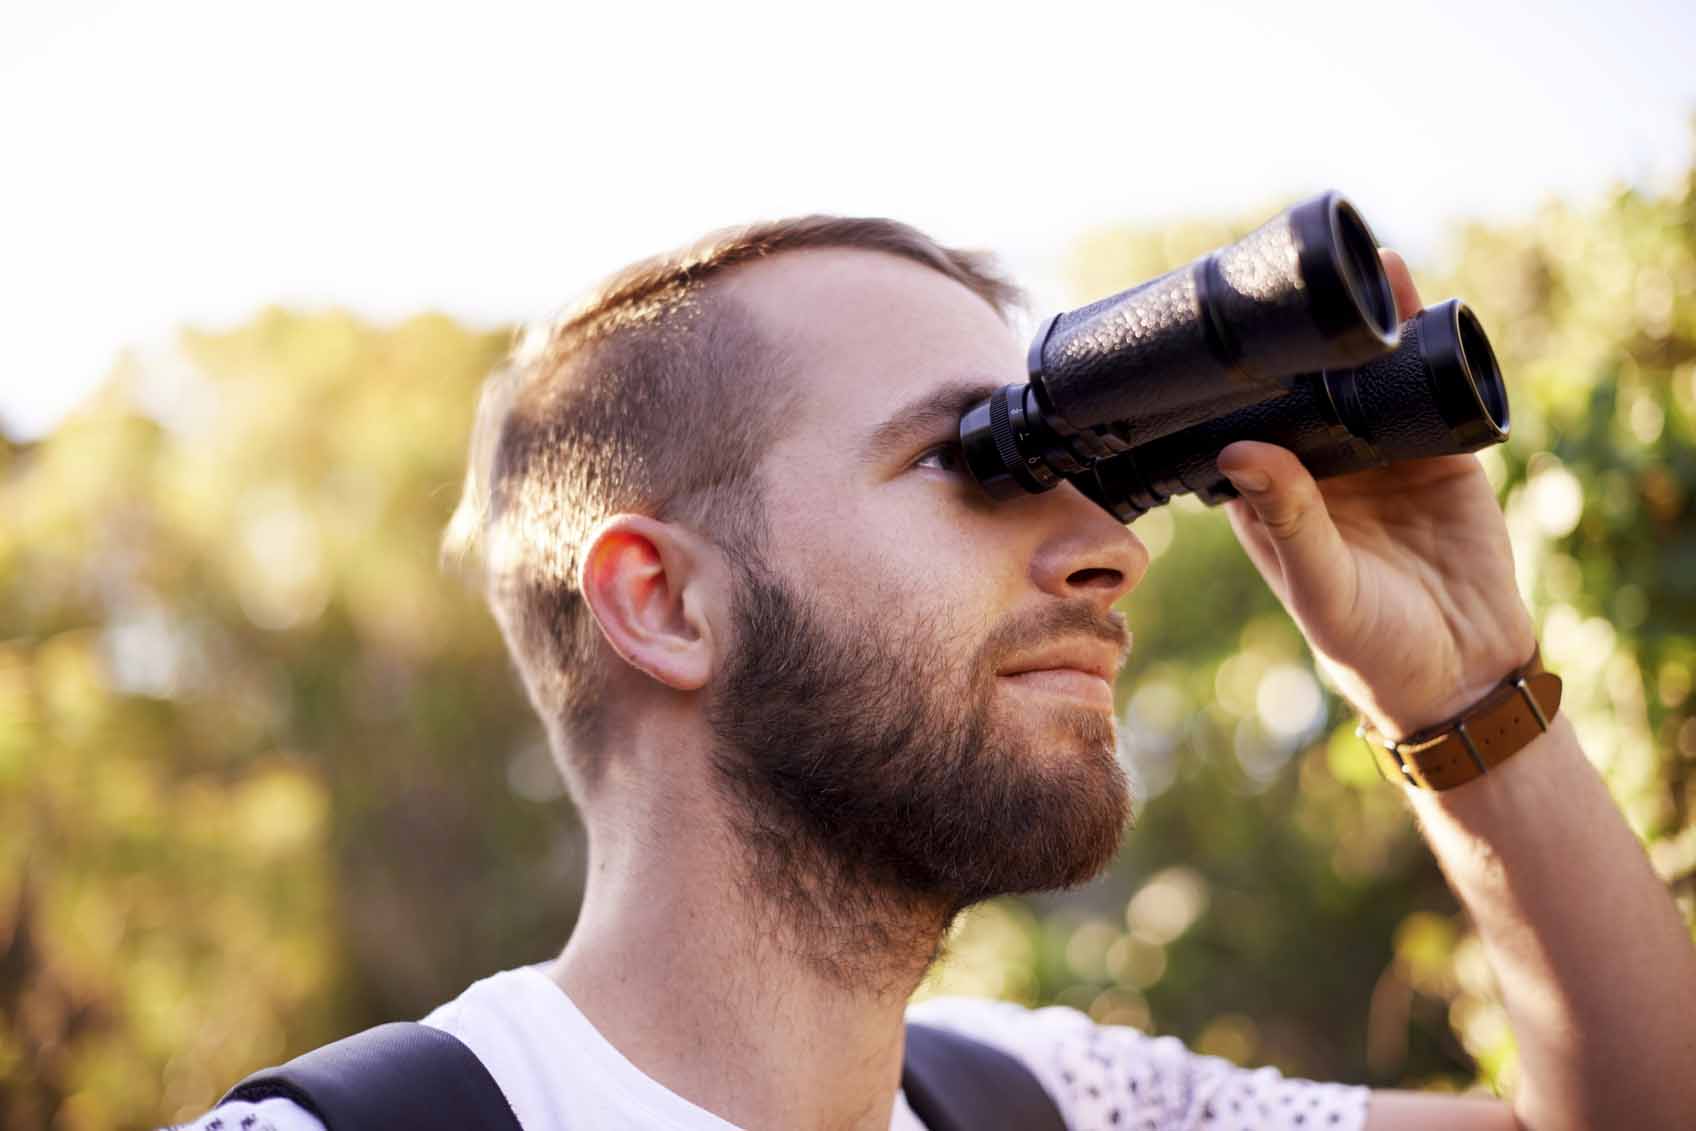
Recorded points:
(1288, 335)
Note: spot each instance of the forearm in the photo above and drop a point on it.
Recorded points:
(1596, 969)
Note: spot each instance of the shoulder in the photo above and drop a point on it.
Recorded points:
(1113, 1076)
(464, 1017)
(266, 1115)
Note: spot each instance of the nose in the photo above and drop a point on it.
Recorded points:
(1085, 552)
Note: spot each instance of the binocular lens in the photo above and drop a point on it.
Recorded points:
(1441, 392)
(1363, 270)
(1481, 396)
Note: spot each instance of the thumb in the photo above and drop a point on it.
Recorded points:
(1318, 568)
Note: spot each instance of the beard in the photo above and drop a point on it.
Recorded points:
(881, 786)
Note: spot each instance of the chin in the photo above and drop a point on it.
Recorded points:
(1066, 733)
(1060, 812)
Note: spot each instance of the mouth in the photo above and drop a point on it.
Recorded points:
(1085, 687)
(1081, 670)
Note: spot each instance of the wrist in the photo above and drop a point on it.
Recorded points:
(1398, 703)
(1469, 743)
(1404, 723)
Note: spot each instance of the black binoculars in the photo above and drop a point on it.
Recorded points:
(1288, 335)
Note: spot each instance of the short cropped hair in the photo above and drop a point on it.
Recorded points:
(656, 394)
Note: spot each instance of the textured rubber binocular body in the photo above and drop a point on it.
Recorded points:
(1288, 336)
(1425, 399)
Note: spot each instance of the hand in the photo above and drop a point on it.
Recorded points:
(1400, 577)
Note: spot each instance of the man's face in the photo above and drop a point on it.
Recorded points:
(921, 692)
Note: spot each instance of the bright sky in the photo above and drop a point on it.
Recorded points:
(172, 161)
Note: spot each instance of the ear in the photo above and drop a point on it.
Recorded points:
(647, 583)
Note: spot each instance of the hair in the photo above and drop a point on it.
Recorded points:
(657, 394)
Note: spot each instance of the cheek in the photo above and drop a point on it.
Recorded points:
(907, 544)
(939, 577)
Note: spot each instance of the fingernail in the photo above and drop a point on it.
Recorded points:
(1249, 480)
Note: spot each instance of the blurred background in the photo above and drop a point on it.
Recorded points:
(265, 776)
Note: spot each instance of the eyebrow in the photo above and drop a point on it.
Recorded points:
(922, 416)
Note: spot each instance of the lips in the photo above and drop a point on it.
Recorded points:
(1096, 660)
(1079, 670)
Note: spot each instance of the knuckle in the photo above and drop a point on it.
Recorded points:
(1286, 517)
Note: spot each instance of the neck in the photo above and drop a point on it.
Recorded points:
(769, 993)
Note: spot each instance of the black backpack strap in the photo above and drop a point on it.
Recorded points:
(954, 1083)
(412, 1076)
(400, 1075)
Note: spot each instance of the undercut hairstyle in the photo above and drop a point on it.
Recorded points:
(656, 394)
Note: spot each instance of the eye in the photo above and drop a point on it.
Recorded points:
(942, 457)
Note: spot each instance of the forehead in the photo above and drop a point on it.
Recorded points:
(866, 332)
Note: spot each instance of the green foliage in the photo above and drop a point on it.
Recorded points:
(266, 777)
(258, 755)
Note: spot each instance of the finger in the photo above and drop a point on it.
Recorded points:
(1401, 284)
(1317, 567)
(1256, 543)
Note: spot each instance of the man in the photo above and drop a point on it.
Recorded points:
(814, 693)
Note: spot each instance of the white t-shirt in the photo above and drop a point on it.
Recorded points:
(560, 1074)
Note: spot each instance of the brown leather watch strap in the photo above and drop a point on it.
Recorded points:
(1461, 749)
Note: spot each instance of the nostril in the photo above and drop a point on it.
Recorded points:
(1096, 579)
